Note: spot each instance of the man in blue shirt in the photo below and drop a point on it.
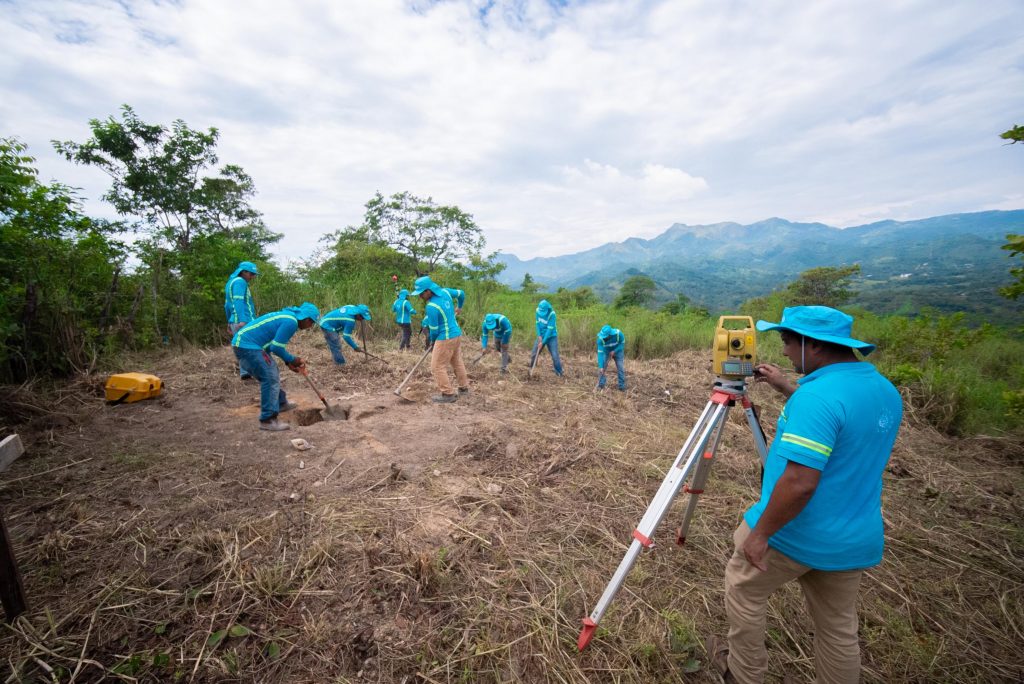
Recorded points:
(253, 345)
(819, 518)
(446, 336)
(403, 317)
(339, 324)
(502, 329)
(547, 335)
(238, 304)
(611, 343)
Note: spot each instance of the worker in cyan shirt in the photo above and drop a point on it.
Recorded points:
(547, 335)
(611, 344)
(404, 312)
(253, 345)
(339, 324)
(502, 329)
(238, 304)
(446, 336)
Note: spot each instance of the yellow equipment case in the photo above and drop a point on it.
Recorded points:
(129, 387)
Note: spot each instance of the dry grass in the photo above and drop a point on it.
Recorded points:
(201, 566)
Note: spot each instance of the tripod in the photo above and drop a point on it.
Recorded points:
(697, 453)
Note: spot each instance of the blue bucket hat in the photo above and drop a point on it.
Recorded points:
(490, 321)
(424, 283)
(606, 331)
(245, 266)
(363, 310)
(305, 310)
(819, 323)
(543, 306)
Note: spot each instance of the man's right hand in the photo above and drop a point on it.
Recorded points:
(776, 377)
(296, 365)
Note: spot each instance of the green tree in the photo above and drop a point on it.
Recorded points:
(825, 286)
(198, 223)
(162, 177)
(481, 274)
(638, 290)
(580, 298)
(530, 286)
(1014, 135)
(1015, 246)
(427, 233)
(1014, 243)
(59, 274)
(680, 305)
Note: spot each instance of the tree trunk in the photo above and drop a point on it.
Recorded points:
(106, 305)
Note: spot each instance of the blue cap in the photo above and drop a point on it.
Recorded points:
(606, 331)
(363, 310)
(819, 323)
(245, 266)
(490, 321)
(403, 293)
(305, 310)
(424, 283)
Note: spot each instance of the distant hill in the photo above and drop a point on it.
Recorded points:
(952, 263)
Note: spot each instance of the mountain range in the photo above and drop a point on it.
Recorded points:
(950, 263)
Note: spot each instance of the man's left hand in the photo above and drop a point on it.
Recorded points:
(754, 549)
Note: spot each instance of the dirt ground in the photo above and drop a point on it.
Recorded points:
(170, 540)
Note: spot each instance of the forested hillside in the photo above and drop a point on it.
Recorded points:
(949, 263)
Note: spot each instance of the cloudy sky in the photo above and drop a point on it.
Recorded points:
(560, 125)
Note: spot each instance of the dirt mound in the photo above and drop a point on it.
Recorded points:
(414, 542)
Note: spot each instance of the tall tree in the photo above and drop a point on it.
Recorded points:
(638, 290)
(529, 285)
(427, 233)
(825, 285)
(162, 177)
(59, 273)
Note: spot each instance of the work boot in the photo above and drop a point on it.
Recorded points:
(445, 398)
(288, 406)
(463, 391)
(274, 425)
(717, 651)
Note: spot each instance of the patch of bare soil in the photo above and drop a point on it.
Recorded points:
(170, 540)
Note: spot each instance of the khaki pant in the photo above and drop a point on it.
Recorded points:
(448, 353)
(831, 600)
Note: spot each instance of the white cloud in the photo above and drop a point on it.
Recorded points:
(558, 127)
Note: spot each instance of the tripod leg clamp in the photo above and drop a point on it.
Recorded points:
(643, 539)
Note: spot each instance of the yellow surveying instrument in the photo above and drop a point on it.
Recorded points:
(735, 354)
(735, 349)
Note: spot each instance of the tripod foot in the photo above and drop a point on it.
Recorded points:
(589, 627)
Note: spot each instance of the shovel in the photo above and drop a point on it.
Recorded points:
(477, 359)
(399, 389)
(330, 412)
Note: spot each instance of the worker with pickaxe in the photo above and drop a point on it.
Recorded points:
(339, 324)
(446, 336)
(547, 336)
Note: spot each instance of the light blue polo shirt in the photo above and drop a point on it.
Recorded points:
(842, 420)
